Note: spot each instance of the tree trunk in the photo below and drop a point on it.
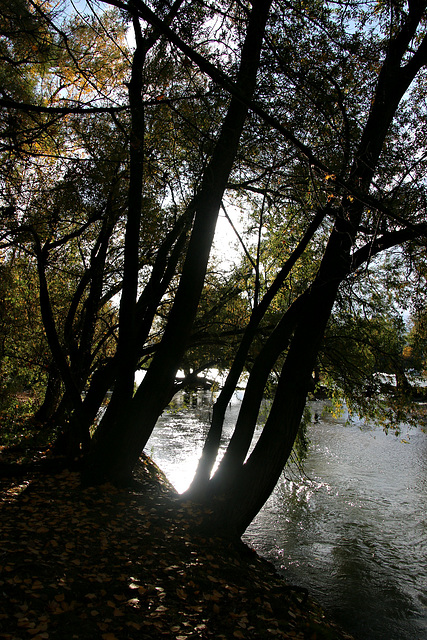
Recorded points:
(259, 374)
(126, 357)
(202, 486)
(52, 396)
(241, 488)
(119, 447)
(238, 496)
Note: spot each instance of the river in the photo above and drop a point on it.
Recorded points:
(354, 531)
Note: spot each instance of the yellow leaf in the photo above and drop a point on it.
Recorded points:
(161, 609)
(133, 602)
(134, 585)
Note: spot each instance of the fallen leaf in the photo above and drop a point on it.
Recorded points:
(161, 609)
(212, 578)
(37, 585)
(134, 625)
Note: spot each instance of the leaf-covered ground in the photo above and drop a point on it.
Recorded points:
(113, 564)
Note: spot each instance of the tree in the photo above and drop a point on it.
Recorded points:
(309, 118)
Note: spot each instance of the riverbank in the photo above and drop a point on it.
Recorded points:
(113, 564)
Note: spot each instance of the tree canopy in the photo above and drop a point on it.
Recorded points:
(127, 128)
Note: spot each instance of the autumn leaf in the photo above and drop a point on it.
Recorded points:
(212, 578)
(134, 625)
(37, 585)
(137, 586)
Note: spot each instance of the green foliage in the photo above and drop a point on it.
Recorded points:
(416, 350)
(16, 413)
(26, 46)
(362, 363)
(24, 354)
(222, 316)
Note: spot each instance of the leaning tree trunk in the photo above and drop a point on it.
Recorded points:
(259, 374)
(239, 489)
(238, 496)
(119, 445)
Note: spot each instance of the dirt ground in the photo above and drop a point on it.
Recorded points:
(112, 564)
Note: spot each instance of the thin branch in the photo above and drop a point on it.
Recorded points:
(239, 237)
(35, 108)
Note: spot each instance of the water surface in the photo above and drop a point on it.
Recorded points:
(355, 533)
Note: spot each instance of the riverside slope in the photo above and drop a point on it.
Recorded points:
(108, 563)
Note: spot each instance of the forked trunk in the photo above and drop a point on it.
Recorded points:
(120, 441)
(239, 489)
